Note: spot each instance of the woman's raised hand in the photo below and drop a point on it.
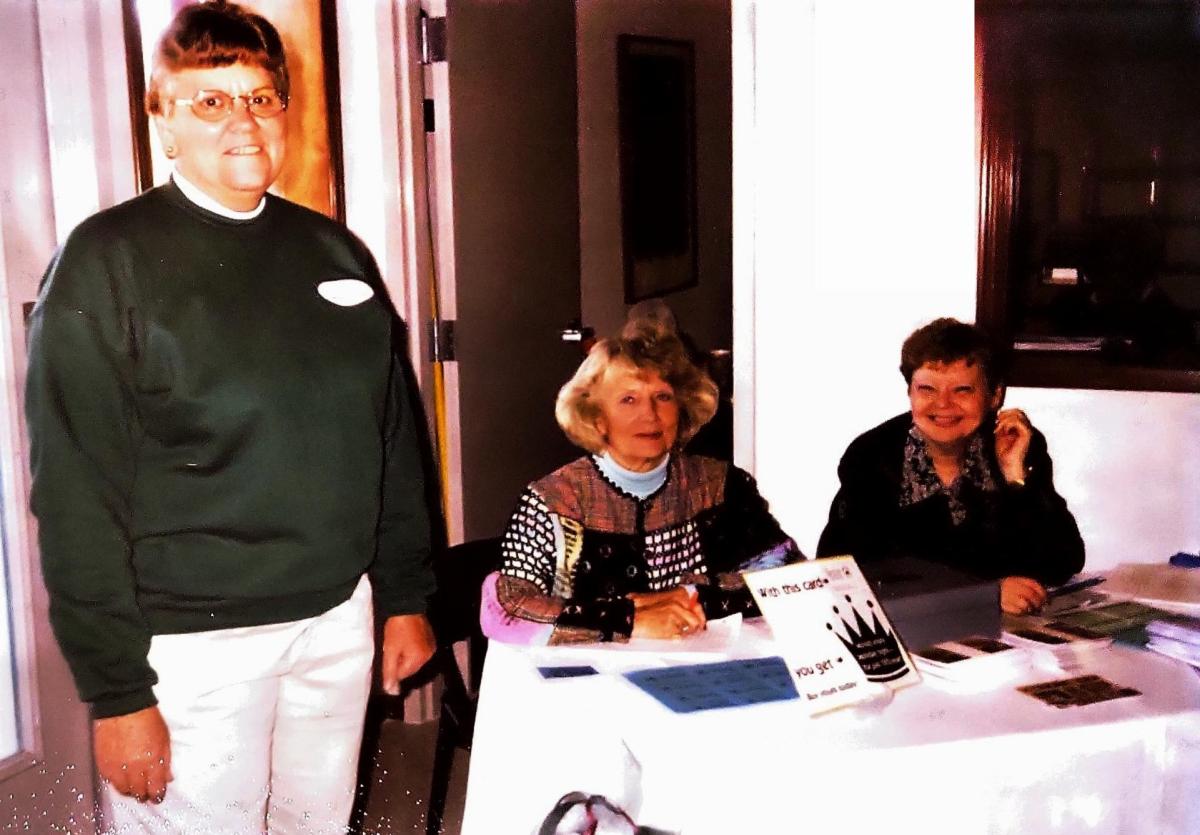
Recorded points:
(1013, 434)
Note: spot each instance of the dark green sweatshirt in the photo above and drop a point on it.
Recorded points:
(214, 443)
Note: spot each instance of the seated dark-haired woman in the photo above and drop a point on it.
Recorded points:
(635, 539)
(956, 480)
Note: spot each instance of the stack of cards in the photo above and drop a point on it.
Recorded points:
(1064, 641)
(1078, 691)
(1085, 599)
(975, 662)
(1176, 637)
(1125, 621)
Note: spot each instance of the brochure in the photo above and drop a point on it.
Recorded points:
(834, 636)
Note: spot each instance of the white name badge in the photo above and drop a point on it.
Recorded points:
(345, 292)
(835, 637)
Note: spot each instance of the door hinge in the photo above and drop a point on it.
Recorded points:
(431, 38)
(429, 117)
(441, 340)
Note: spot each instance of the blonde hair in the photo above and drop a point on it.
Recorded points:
(642, 346)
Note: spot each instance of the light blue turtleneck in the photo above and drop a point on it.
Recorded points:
(634, 483)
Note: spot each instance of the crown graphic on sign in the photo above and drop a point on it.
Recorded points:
(873, 646)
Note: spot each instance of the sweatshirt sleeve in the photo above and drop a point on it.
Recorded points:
(84, 435)
(1037, 532)
(402, 573)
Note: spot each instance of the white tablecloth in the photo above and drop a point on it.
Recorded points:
(931, 761)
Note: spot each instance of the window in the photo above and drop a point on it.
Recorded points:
(1090, 221)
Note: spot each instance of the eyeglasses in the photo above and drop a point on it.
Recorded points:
(215, 105)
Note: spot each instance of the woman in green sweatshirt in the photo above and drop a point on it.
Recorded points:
(222, 452)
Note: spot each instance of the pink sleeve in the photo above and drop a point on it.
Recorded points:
(499, 625)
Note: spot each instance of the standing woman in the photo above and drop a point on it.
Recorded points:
(955, 479)
(222, 451)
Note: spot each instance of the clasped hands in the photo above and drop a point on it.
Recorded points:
(666, 614)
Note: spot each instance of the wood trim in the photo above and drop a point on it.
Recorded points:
(999, 194)
(139, 125)
(1045, 369)
(333, 108)
(998, 163)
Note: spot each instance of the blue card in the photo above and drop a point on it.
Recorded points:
(567, 671)
(692, 687)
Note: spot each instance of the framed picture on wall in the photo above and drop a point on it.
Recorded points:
(312, 171)
(657, 117)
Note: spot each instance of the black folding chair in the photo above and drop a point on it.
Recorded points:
(454, 613)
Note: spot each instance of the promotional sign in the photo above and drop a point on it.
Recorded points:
(834, 635)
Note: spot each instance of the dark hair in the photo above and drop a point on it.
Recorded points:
(642, 345)
(216, 34)
(948, 340)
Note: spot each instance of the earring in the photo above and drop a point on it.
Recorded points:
(170, 151)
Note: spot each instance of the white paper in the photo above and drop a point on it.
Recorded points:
(832, 632)
(1161, 585)
(718, 638)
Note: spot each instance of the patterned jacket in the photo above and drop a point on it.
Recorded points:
(577, 545)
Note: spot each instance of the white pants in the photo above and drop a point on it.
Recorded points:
(266, 724)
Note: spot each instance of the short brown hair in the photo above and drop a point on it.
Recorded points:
(216, 34)
(948, 340)
(642, 346)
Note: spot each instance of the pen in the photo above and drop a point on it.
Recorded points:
(1079, 585)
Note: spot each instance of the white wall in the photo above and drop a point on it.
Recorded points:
(863, 209)
(703, 310)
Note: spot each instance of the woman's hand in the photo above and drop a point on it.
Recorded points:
(1020, 595)
(133, 753)
(408, 642)
(672, 616)
(642, 600)
(1013, 434)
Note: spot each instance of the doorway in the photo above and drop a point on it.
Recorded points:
(526, 199)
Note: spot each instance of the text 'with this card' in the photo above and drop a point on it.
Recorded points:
(837, 640)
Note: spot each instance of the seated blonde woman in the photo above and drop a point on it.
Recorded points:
(635, 538)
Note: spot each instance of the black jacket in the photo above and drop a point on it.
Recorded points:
(1012, 531)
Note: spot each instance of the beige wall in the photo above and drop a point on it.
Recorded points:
(704, 311)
